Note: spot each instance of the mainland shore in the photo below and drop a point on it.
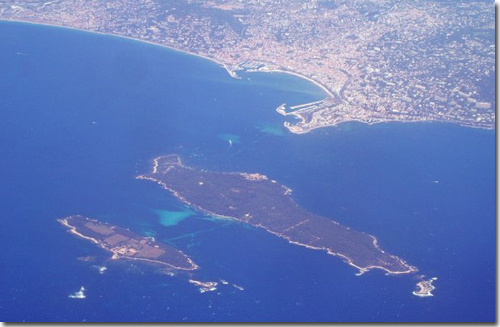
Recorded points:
(231, 72)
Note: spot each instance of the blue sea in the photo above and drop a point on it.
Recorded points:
(82, 114)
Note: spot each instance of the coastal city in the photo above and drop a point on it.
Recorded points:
(377, 61)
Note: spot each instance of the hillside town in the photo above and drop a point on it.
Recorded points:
(377, 60)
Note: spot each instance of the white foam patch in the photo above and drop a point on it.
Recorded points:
(80, 294)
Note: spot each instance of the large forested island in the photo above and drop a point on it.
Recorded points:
(256, 200)
(378, 61)
(125, 244)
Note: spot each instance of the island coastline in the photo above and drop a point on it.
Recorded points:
(361, 269)
(116, 243)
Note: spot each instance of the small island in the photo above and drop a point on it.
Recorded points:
(263, 203)
(125, 244)
(425, 288)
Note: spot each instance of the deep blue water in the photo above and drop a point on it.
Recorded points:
(83, 114)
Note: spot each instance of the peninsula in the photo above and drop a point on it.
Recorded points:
(125, 244)
(256, 200)
(376, 61)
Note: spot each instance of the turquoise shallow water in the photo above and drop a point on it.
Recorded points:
(83, 114)
(276, 129)
(172, 218)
